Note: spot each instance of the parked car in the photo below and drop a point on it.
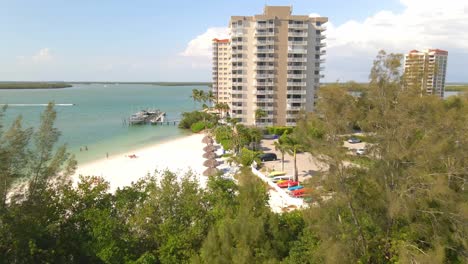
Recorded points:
(354, 140)
(287, 184)
(360, 151)
(267, 157)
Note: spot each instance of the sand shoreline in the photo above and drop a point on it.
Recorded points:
(179, 155)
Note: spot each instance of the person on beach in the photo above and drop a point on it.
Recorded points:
(107, 155)
(81, 149)
(86, 148)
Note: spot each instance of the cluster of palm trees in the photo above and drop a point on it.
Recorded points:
(200, 96)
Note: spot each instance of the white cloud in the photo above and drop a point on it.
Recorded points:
(43, 55)
(200, 46)
(422, 24)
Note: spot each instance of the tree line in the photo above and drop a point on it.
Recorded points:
(407, 203)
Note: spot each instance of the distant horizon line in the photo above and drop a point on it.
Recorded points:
(195, 82)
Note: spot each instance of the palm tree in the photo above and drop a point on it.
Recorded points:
(291, 146)
(281, 148)
(196, 96)
(259, 114)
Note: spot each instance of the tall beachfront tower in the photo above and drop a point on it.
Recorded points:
(277, 63)
(428, 69)
(222, 71)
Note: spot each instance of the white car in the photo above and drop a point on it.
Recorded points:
(360, 151)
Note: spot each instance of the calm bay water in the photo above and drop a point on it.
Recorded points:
(96, 118)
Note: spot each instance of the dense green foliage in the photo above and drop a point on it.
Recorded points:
(190, 118)
(405, 201)
(33, 85)
(278, 130)
(198, 126)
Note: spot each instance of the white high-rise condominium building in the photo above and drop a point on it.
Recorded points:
(427, 68)
(276, 65)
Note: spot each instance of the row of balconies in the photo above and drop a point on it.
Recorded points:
(297, 92)
(297, 68)
(297, 51)
(297, 34)
(299, 26)
(264, 33)
(265, 25)
(297, 76)
(265, 51)
(297, 42)
(264, 42)
(264, 67)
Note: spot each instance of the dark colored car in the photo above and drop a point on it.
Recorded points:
(267, 157)
(354, 140)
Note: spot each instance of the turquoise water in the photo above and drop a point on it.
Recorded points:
(96, 118)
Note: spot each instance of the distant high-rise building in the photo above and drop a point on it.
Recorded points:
(276, 62)
(427, 68)
(222, 70)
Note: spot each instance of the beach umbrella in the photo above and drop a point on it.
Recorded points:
(207, 140)
(211, 163)
(209, 155)
(209, 148)
(211, 172)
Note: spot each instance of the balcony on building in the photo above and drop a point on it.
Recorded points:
(301, 84)
(263, 92)
(297, 34)
(297, 51)
(294, 107)
(297, 59)
(264, 59)
(237, 33)
(264, 33)
(296, 100)
(296, 68)
(264, 42)
(264, 67)
(298, 25)
(296, 76)
(264, 75)
(296, 92)
(265, 100)
(264, 24)
(267, 108)
(297, 43)
(237, 59)
(265, 50)
(266, 84)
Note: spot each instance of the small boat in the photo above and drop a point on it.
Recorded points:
(276, 173)
(298, 187)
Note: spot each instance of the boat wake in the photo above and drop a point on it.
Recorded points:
(36, 104)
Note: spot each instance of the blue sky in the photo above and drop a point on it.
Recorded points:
(145, 40)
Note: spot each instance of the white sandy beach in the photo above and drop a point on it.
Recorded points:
(178, 155)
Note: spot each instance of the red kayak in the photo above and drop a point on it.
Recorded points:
(287, 184)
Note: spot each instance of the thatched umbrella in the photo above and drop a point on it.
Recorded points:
(211, 172)
(209, 148)
(207, 140)
(211, 163)
(209, 155)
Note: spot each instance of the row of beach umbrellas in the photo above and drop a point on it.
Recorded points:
(210, 157)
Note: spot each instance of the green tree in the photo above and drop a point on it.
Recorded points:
(259, 114)
(282, 149)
